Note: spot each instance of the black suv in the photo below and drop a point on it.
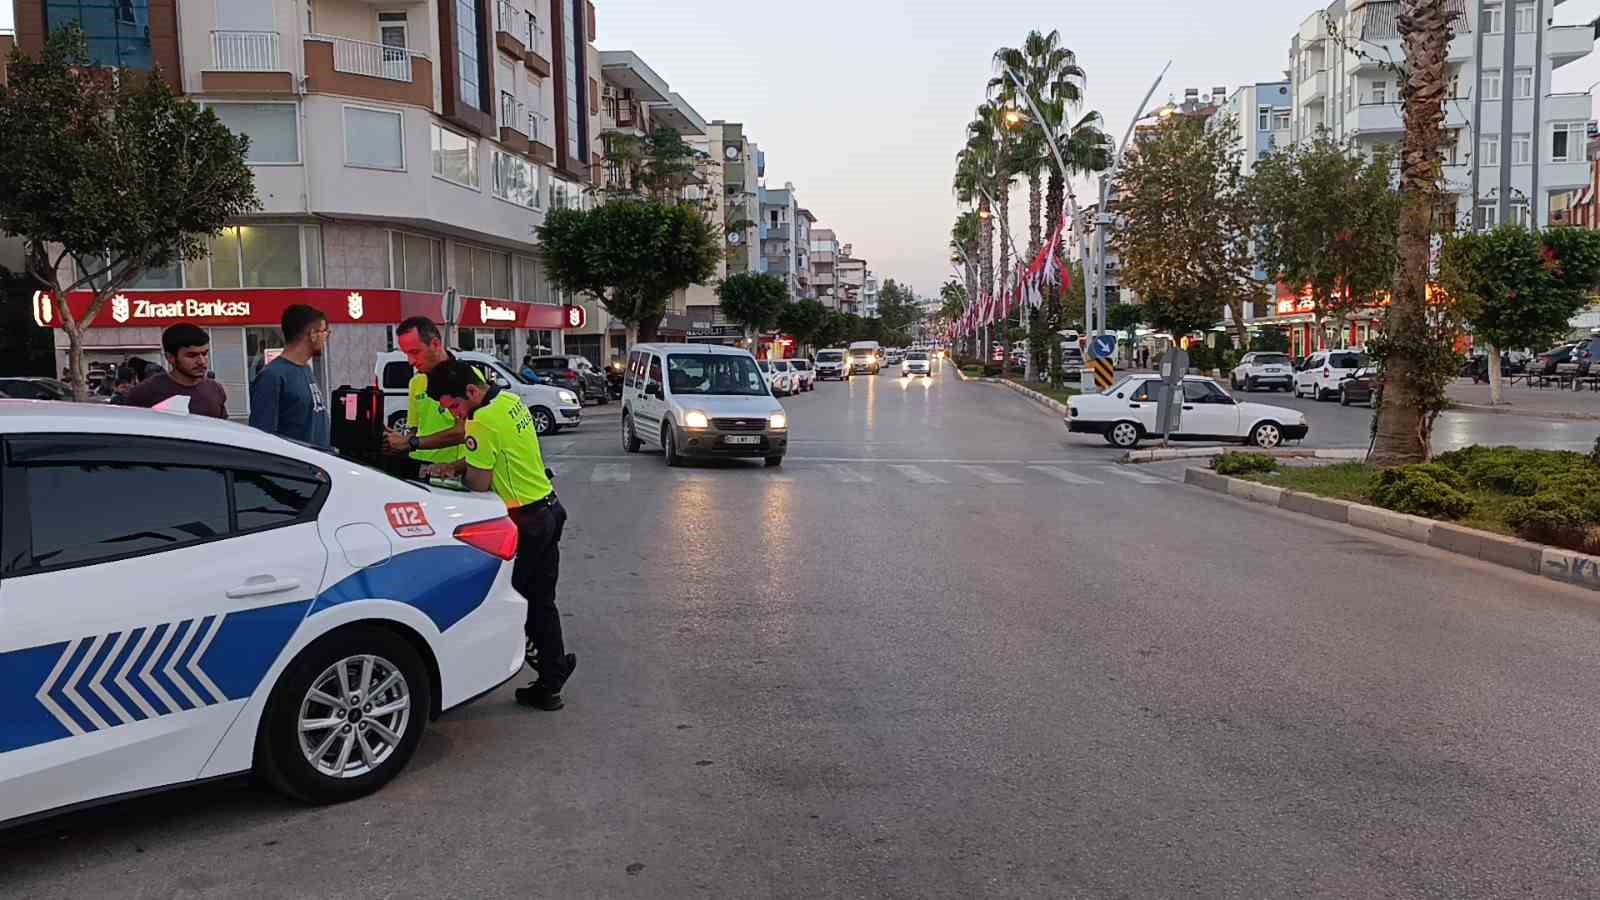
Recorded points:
(576, 374)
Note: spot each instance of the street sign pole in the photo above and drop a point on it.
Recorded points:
(1169, 407)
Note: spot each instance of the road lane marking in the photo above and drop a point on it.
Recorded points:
(611, 472)
(1061, 474)
(847, 475)
(1132, 475)
(990, 475)
(918, 475)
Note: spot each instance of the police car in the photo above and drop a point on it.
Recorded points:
(184, 598)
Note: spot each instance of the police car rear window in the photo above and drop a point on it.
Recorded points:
(141, 509)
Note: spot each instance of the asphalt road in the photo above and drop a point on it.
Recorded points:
(947, 651)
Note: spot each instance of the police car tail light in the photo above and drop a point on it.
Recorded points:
(496, 537)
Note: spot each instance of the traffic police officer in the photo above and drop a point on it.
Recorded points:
(434, 435)
(502, 454)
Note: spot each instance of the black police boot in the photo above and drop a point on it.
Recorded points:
(545, 693)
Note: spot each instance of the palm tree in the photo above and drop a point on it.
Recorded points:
(1405, 420)
(988, 133)
(975, 167)
(965, 237)
(1048, 72)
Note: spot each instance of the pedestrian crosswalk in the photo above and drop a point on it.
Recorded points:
(921, 473)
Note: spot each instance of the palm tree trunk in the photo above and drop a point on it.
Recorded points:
(1003, 275)
(986, 261)
(1055, 198)
(1035, 225)
(1404, 421)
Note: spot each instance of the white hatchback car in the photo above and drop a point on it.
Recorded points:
(1322, 372)
(183, 598)
(915, 363)
(1125, 414)
(1263, 370)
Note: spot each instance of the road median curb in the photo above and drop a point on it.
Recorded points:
(1526, 413)
(1554, 563)
(1169, 454)
(1048, 403)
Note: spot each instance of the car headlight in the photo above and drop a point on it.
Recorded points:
(778, 420)
(694, 418)
(567, 397)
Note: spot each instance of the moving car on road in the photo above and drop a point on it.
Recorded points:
(865, 356)
(575, 373)
(1322, 372)
(915, 363)
(239, 602)
(1362, 387)
(553, 408)
(831, 364)
(893, 356)
(1125, 413)
(806, 374)
(700, 400)
(1273, 371)
(780, 379)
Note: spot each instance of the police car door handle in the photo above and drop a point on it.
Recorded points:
(257, 585)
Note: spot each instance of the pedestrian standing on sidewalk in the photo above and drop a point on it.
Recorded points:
(285, 399)
(188, 351)
(502, 455)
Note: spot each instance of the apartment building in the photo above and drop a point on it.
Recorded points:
(786, 239)
(805, 270)
(737, 168)
(1263, 114)
(851, 273)
(400, 152)
(824, 256)
(869, 296)
(1516, 150)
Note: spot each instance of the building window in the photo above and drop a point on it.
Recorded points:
(1567, 140)
(273, 129)
(528, 280)
(1522, 84)
(577, 102)
(1489, 150)
(482, 273)
(1379, 93)
(117, 31)
(1489, 84)
(1280, 120)
(515, 180)
(259, 256)
(1524, 18)
(1488, 216)
(418, 262)
(1455, 83)
(1494, 19)
(1517, 214)
(455, 157)
(1521, 149)
(1263, 118)
(373, 138)
(469, 66)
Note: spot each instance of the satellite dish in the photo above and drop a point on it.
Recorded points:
(735, 237)
(731, 152)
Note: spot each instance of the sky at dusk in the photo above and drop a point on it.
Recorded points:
(861, 103)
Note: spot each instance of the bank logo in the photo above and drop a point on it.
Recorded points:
(43, 309)
(355, 305)
(119, 308)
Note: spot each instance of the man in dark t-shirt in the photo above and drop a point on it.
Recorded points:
(188, 351)
(285, 398)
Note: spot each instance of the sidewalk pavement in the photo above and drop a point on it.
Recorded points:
(1521, 400)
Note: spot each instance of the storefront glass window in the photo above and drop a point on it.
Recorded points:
(197, 273)
(311, 238)
(541, 343)
(500, 275)
(261, 346)
(482, 273)
(225, 259)
(271, 255)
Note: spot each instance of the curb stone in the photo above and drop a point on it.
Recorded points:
(1526, 413)
(1538, 559)
(1047, 402)
(1164, 455)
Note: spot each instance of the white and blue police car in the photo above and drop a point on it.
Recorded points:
(184, 598)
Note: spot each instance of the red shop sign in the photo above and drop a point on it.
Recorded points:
(265, 306)
(484, 312)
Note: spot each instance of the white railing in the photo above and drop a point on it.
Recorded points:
(244, 51)
(539, 128)
(506, 15)
(536, 36)
(355, 57)
(513, 112)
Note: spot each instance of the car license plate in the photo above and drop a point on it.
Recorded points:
(743, 439)
(1274, 371)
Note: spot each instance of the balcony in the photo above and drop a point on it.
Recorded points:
(1568, 43)
(513, 122)
(541, 138)
(1314, 88)
(537, 59)
(340, 65)
(510, 29)
(1567, 106)
(1373, 117)
(246, 61)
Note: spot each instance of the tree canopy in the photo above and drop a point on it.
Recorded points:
(112, 171)
(897, 310)
(753, 300)
(1520, 288)
(803, 319)
(630, 254)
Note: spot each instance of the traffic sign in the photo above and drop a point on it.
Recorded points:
(1103, 346)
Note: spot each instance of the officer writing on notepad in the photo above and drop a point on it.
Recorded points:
(502, 455)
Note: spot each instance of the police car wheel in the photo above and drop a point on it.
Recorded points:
(543, 422)
(397, 420)
(345, 717)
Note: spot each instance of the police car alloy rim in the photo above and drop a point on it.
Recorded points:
(354, 716)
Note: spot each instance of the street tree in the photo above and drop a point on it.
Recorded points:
(805, 319)
(1185, 241)
(1125, 317)
(898, 312)
(105, 175)
(753, 300)
(1415, 353)
(1519, 288)
(632, 255)
(1327, 222)
(659, 165)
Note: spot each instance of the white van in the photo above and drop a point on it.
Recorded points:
(553, 408)
(700, 400)
(865, 356)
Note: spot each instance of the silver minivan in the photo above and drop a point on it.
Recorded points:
(700, 400)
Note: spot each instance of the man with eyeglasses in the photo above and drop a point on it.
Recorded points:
(285, 399)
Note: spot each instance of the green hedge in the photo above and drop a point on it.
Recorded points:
(1428, 490)
(1244, 463)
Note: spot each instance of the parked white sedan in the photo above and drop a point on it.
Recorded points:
(781, 378)
(1125, 414)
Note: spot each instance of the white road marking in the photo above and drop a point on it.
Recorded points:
(1061, 474)
(1128, 473)
(991, 476)
(847, 475)
(611, 472)
(918, 475)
